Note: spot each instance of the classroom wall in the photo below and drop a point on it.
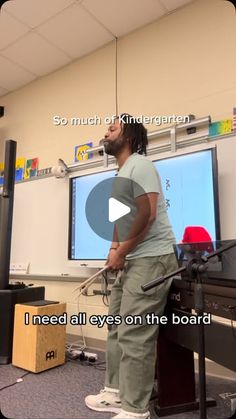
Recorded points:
(181, 64)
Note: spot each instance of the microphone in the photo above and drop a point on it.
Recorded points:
(101, 143)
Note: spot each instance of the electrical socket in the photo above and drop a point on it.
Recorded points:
(77, 352)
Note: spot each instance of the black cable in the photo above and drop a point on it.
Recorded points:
(87, 363)
(105, 296)
(97, 365)
(106, 303)
(105, 276)
(16, 382)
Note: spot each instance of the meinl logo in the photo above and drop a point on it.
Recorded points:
(51, 355)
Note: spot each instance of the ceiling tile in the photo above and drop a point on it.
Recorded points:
(85, 34)
(175, 4)
(76, 27)
(34, 12)
(123, 16)
(10, 29)
(36, 54)
(3, 91)
(12, 76)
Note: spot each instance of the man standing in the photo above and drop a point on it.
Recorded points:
(145, 254)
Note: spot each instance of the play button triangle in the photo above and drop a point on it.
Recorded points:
(117, 210)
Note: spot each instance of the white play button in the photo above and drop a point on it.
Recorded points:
(110, 204)
(117, 210)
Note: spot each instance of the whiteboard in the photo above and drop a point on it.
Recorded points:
(40, 225)
(41, 215)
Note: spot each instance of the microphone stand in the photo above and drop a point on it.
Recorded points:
(196, 269)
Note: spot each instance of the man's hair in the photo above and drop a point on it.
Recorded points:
(134, 132)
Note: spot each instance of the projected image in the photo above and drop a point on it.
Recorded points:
(189, 185)
(85, 243)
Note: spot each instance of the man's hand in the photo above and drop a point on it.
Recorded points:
(115, 261)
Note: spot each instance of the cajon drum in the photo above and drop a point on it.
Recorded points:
(38, 347)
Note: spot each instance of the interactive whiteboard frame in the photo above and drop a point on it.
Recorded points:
(100, 262)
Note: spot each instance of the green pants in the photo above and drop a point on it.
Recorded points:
(131, 349)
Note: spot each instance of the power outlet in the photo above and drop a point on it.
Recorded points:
(77, 352)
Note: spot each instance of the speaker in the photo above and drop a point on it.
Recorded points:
(38, 347)
(9, 170)
(8, 299)
(6, 212)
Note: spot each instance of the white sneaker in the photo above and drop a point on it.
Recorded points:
(107, 400)
(130, 415)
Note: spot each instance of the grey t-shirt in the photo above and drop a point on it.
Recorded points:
(159, 239)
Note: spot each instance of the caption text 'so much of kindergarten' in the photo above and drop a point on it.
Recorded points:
(102, 320)
(143, 119)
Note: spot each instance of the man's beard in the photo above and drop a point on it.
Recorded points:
(114, 147)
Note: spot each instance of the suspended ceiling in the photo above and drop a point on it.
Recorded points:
(39, 37)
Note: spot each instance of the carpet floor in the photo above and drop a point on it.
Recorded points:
(59, 394)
